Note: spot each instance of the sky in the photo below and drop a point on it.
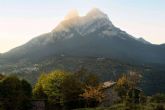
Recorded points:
(22, 20)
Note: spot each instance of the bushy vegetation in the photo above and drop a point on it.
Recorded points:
(15, 94)
(132, 97)
(82, 89)
(67, 90)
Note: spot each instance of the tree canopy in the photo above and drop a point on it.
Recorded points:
(49, 86)
(14, 93)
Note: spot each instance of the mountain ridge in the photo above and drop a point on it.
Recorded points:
(90, 42)
(93, 30)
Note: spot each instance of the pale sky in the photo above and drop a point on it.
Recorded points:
(22, 20)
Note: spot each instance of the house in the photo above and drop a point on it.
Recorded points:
(111, 95)
(108, 84)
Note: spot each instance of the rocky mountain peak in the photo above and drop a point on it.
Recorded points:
(96, 13)
(89, 23)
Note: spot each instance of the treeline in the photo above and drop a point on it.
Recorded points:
(67, 90)
(59, 90)
(82, 89)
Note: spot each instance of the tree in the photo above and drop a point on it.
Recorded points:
(71, 90)
(93, 95)
(87, 78)
(127, 87)
(1, 91)
(38, 91)
(49, 86)
(26, 95)
(14, 92)
(122, 87)
(90, 85)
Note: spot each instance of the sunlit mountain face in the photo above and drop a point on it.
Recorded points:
(91, 41)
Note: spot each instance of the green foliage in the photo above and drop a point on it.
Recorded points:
(38, 91)
(15, 94)
(26, 88)
(49, 86)
(71, 90)
(61, 88)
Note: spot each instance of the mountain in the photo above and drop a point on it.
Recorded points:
(91, 41)
(143, 40)
(92, 35)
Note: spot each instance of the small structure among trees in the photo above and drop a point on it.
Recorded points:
(109, 93)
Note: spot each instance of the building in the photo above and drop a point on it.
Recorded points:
(109, 92)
